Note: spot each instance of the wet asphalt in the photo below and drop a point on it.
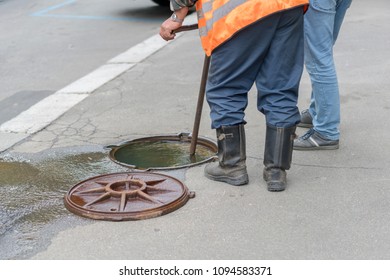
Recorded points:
(336, 205)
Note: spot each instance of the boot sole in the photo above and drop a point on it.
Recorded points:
(242, 180)
(332, 147)
(277, 189)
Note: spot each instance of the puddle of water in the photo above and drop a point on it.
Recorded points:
(153, 154)
(32, 192)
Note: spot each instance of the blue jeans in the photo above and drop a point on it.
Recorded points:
(268, 53)
(322, 24)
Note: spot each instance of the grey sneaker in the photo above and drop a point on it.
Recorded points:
(306, 119)
(312, 140)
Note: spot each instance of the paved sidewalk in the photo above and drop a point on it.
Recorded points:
(336, 205)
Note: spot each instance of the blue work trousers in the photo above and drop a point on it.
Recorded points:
(322, 24)
(268, 53)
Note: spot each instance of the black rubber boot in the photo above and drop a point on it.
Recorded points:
(277, 156)
(231, 167)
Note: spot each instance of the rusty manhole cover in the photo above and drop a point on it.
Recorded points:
(127, 196)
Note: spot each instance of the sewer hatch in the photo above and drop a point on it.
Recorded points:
(127, 196)
(164, 152)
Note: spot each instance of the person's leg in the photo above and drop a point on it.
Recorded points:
(341, 10)
(325, 100)
(319, 24)
(233, 70)
(278, 80)
(278, 84)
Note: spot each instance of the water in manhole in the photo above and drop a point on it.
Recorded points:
(162, 152)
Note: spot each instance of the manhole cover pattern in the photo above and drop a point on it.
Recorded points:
(127, 196)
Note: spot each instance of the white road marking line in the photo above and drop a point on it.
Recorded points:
(97, 78)
(141, 51)
(43, 113)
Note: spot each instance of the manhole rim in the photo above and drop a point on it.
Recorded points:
(184, 137)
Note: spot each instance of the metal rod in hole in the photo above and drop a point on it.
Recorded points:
(202, 90)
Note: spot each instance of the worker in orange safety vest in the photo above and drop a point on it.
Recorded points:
(250, 42)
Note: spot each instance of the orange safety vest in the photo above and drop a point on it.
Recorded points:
(219, 20)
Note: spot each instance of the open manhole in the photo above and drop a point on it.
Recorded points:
(163, 152)
(127, 196)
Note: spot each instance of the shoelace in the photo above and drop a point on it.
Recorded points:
(308, 134)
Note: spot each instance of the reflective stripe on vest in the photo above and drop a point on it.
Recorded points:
(219, 20)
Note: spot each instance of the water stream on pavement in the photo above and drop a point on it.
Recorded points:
(32, 189)
(31, 197)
